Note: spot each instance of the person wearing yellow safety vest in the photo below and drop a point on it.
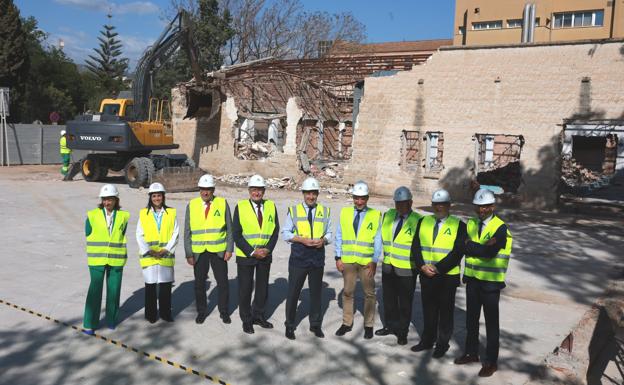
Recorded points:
(65, 152)
(157, 236)
(308, 230)
(105, 229)
(256, 229)
(487, 250)
(358, 247)
(437, 251)
(208, 242)
(398, 272)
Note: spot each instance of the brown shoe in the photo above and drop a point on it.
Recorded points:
(487, 370)
(466, 359)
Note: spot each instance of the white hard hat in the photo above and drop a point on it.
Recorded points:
(360, 189)
(63, 132)
(484, 197)
(441, 196)
(310, 184)
(108, 190)
(256, 181)
(156, 187)
(206, 181)
(402, 194)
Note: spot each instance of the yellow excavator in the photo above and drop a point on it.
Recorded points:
(127, 129)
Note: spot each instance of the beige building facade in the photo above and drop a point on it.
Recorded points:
(493, 22)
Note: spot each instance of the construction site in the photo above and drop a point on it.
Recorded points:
(535, 116)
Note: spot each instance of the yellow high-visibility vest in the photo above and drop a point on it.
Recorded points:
(256, 236)
(208, 233)
(299, 218)
(104, 248)
(358, 249)
(63, 145)
(156, 239)
(397, 251)
(487, 269)
(434, 251)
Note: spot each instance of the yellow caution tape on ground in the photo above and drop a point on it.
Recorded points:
(150, 356)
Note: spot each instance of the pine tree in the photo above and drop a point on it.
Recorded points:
(13, 56)
(212, 31)
(108, 65)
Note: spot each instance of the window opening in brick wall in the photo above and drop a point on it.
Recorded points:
(435, 150)
(258, 138)
(409, 149)
(498, 160)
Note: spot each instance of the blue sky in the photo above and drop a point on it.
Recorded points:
(77, 22)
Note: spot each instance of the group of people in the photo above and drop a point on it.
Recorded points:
(406, 243)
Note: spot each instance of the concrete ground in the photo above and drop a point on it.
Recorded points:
(560, 265)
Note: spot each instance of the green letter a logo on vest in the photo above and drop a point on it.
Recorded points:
(408, 231)
(369, 227)
(217, 213)
(271, 218)
(447, 232)
(487, 236)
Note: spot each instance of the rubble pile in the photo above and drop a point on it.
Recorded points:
(579, 180)
(326, 170)
(253, 150)
(242, 180)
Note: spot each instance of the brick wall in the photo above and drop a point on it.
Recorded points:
(514, 90)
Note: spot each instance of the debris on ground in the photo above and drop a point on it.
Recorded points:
(580, 180)
(324, 170)
(243, 178)
(253, 150)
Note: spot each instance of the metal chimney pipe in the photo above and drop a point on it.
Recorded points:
(531, 37)
(525, 23)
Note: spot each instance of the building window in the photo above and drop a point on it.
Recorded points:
(462, 30)
(514, 23)
(498, 24)
(409, 148)
(435, 146)
(497, 161)
(579, 19)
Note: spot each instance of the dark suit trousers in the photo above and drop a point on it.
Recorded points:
(248, 311)
(220, 271)
(398, 295)
(438, 302)
(160, 292)
(296, 279)
(487, 296)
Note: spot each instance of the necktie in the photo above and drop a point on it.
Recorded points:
(207, 210)
(259, 215)
(311, 222)
(356, 221)
(480, 228)
(436, 228)
(398, 227)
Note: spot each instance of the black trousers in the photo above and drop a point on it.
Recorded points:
(438, 302)
(487, 296)
(220, 271)
(398, 295)
(162, 293)
(248, 311)
(296, 279)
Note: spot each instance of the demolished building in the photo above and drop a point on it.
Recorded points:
(452, 117)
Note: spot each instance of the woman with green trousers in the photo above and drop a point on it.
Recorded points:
(105, 229)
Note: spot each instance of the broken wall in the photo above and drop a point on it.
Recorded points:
(460, 92)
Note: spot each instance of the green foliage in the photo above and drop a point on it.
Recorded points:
(107, 64)
(13, 58)
(211, 32)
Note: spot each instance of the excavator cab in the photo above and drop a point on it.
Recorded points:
(118, 107)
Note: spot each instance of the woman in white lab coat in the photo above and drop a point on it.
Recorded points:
(157, 235)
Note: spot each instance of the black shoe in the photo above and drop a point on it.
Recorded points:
(317, 331)
(343, 329)
(402, 340)
(466, 359)
(290, 333)
(248, 328)
(263, 323)
(368, 333)
(226, 319)
(440, 351)
(200, 318)
(383, 332)
(420, 347)
(152, 321)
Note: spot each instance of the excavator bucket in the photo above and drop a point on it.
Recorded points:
(178, 179)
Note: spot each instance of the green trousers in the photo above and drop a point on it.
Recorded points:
(94, 297)
(66, 160)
